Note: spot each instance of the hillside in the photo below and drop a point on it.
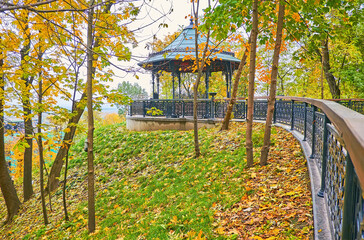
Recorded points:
(149, 186)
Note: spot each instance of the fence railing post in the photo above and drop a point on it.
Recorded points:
(131, 109)
(347, 222)
(292, 114)
(275, 112)
(305, 124)
(324, 158)
(313, 138)
(183, 108)
(144, 110)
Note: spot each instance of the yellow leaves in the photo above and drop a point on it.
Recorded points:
(200, 237)
(178, 56)
(174, 220)
(272, 205)
(220, 230)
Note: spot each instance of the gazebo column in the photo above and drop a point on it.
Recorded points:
(158, 85)
(153, 91)
(230, 77)
(179, 84)
(173, 85)
(207, 75)
(227, 84)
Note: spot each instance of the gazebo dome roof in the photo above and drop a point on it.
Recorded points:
(176, 57)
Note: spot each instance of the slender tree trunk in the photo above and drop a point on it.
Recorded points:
(53, 180)
(195, 85)
(90, 153)
(200, 66)
(6, 184)
(229, 110)
(28, 126)
(249, 117)
(28, 152)
(322, 79)
(195, 123)
(41, 157)
(64, 190)
(273, 86)
(334, 87)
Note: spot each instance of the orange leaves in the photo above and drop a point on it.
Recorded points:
(296, 17)
(276, 203)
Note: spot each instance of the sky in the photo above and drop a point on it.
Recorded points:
(175, 20)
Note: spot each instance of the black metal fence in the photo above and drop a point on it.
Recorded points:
(340, 183)
(216, 109)
(184, 108)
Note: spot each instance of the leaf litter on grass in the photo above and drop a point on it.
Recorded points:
(149, 186)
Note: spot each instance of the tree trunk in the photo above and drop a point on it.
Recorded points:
(229, 110)
(273, 86)
(28, 126)
(64, 190)
(334, 87)
(249, 117)
(41, 157)
(6, 184)
(28, 152)
(200, 66)
(53, 180)
(90, 120)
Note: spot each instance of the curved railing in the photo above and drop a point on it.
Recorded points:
(334, 133)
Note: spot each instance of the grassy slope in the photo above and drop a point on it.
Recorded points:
(149, 186)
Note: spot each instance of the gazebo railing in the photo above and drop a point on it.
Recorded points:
(334, 133)
(175, 108)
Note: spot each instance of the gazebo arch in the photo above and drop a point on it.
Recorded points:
(176, 59)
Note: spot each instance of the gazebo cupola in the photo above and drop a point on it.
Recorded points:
(178, 58)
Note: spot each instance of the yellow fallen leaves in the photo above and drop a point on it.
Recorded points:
(276, 203)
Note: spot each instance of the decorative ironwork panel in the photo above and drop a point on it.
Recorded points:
(188, 109)
(178, 108)
(283, 111)
(136, 108)
(309, 125)
(299, 116)
(358, 205)
(203, 109)
(335, 180)
(319, 135)
(358, 106)
(260, 110)
(239, 110)
(220, 108)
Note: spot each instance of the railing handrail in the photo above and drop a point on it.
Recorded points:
(350, 126)
(186, 100)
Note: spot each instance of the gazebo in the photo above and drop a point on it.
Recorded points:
(176, 58)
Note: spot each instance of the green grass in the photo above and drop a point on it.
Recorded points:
(153, 187)
(149, 185)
